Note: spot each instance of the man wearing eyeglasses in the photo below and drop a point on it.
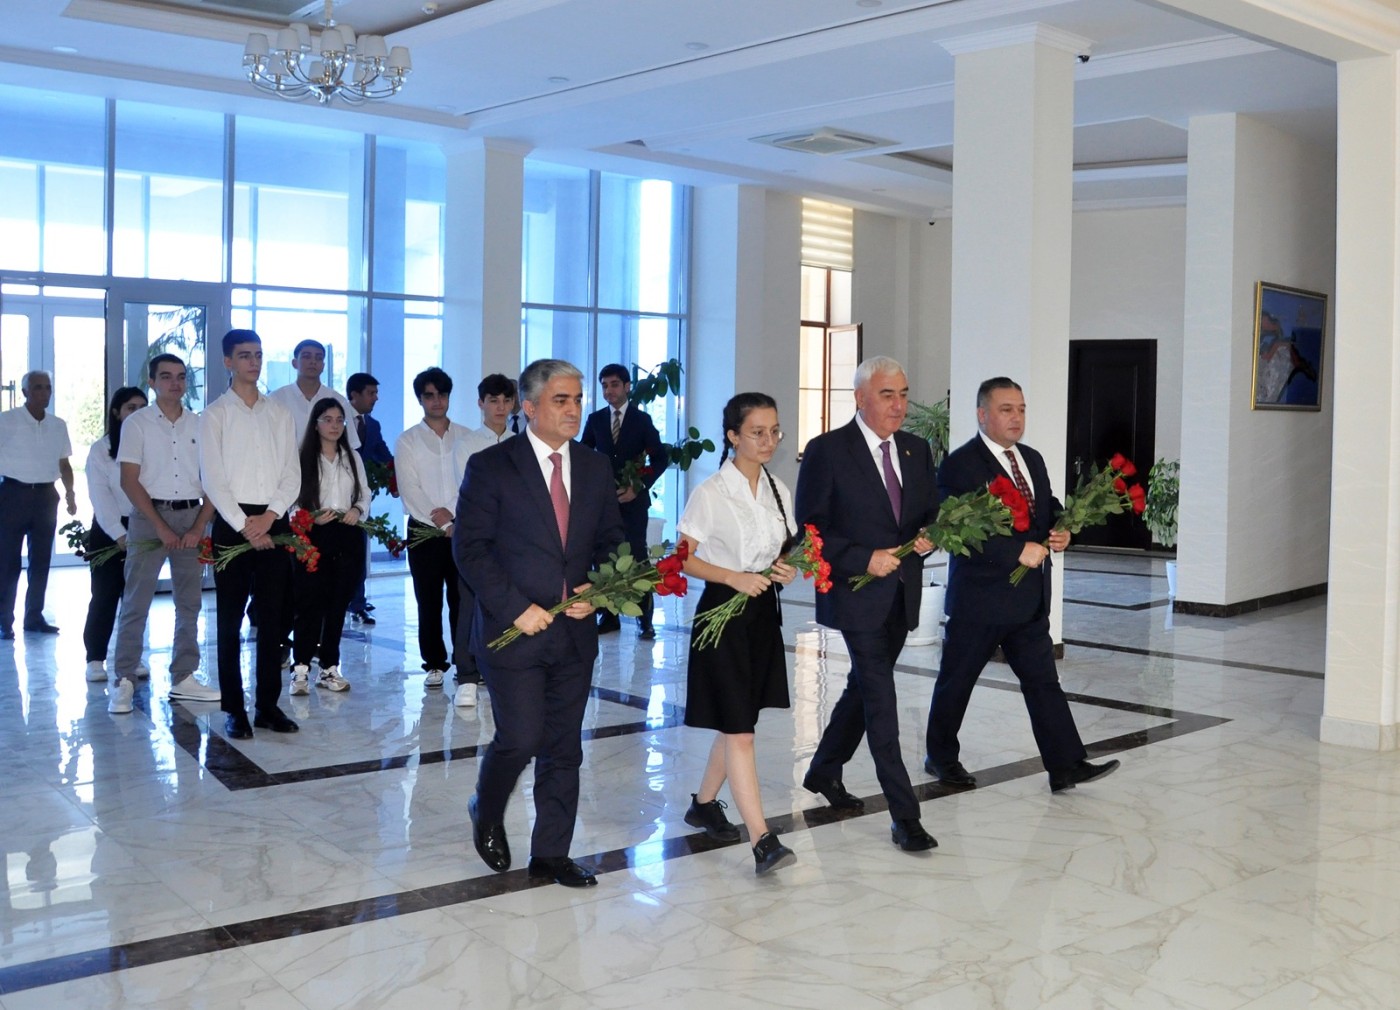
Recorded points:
(625, 434)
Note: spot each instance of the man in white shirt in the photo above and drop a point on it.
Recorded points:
(34, 451)
(430, 459)
(495, 396)
(249, 467)
(309, 359)
(159, 458)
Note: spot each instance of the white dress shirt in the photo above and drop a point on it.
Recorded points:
(110, 505)
(166, 451)
(291, 397)
(430, 468)
(30, 449)
(247, 454)
(873, 441)
(338, 483)
(484, 438)
(734, 527)
(542, 454)
(1000, 455)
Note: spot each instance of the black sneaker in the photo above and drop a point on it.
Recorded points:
(769, 854)
(710, 817)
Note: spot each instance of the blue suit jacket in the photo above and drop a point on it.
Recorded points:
(373, 448)
(979, 586)
(842, 493)
(638, 437)
(507, 547)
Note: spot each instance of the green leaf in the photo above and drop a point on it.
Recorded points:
(642, 585)
(625, 562)
(602, 602)
(630, 609)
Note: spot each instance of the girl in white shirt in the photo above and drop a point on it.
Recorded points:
(110, 509)
(738, 523)
(334, 489)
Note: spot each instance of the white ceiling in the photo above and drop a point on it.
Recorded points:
(684, 85)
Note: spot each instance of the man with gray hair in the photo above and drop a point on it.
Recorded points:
(868, 488)
(34, 451)
(534, 515)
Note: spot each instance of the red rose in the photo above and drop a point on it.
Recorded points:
(1117, 461)
(1120, 485)
(676, 584)
(1128, 469)
(683, 550)
(669, 565)
(1138, 497)
(1001, 487)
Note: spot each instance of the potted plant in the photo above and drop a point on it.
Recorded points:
(929, 422)
(1163, 491)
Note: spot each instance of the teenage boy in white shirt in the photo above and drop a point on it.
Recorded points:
(309, 359)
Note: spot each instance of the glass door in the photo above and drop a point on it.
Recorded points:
(146, 318)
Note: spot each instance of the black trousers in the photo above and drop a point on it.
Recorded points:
(265, 577)
(434, 572)
(323, 596)
(967, 647)
(634, 525)
(26, 511)
(869, 708)
(467, 671)
(108, 581)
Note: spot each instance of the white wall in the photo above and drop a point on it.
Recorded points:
(1255, 484)
(1129, 283)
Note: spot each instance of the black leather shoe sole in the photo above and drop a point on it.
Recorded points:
(1085, 772)
(950, 776)
(912, 839)
(41, 629)
(833, 792)
(275, 721)
(236, 727)
(564, 871)
(490, 841)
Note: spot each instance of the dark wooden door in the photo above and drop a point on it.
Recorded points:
(1112, 408)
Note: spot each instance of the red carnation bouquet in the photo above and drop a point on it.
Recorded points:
(1102, 494)
(619, 584)
(967, 521)
(806, 557)
(298, 543)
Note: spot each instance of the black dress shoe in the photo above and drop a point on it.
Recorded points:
(490, 840)
(1082, 772)
(647, 634)
(42, 628)
(608, 622)
(561, 870)
(833, 790)
(710, 818)
(769, 854)
(236, 726)
(362, 616)
(910, 835)
(950, 774)
(275, 720)
(7, 634)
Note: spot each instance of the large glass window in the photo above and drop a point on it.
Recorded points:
(285, 318)
(639, 244)
(555, 265)
(410, 193)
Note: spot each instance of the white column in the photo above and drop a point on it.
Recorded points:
(481, 314)
(1013, 143)
(1363, 604)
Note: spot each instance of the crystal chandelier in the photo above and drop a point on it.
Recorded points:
(332, 64)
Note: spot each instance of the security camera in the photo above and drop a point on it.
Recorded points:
(1083, 57)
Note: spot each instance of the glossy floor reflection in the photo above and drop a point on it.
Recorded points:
(1233, 861)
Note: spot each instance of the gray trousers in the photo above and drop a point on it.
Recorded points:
(142, 573)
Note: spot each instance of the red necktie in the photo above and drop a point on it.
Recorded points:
(560, 498)
(892, 487)
(1020, 480)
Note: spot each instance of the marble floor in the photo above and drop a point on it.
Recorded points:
(1233, 861)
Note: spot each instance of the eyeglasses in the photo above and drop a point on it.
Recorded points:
(759, 437)
(330, 419)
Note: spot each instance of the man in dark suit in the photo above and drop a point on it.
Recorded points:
(986, 611)
(363, 392)
(868, 488)
(534, 515)
(623, 433)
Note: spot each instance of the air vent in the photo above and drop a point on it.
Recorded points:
(823, 141)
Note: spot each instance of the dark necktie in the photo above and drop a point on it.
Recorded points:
(360, 428)
(1020, 479)
(560, 499)
(892, 487)
(617, 423)
(515, 424)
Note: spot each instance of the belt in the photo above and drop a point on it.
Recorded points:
(25, 483)
(177, 505)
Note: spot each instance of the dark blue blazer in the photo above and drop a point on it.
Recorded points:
(979, 586)
(842, 493)
(637, 437)
(507, 547)
(373, 448)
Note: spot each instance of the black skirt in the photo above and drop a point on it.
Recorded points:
(745, 671)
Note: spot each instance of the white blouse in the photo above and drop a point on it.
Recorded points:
(338, 484)
(734, 528)
(104, 480)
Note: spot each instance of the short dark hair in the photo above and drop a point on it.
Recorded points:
(302, 345)
(615, 371)
(163, 359)
(235, 337)
(537, 375)
(495, 384)
(984, 391)
(436, 376)
(357, 383)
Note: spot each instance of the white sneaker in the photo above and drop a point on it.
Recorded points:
(301, 680)
(96, 670)
(434, 678)
(465, 696)
(119, 697)
(143, 672)
(331, 680)
(189, 688)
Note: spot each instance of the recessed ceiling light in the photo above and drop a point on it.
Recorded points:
(557, 80)
(697, 46)
(449, 109)
(65, 50)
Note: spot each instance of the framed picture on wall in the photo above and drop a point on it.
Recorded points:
(1289, 333)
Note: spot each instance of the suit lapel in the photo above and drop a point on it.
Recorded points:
(864, 464)
(533, 481)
